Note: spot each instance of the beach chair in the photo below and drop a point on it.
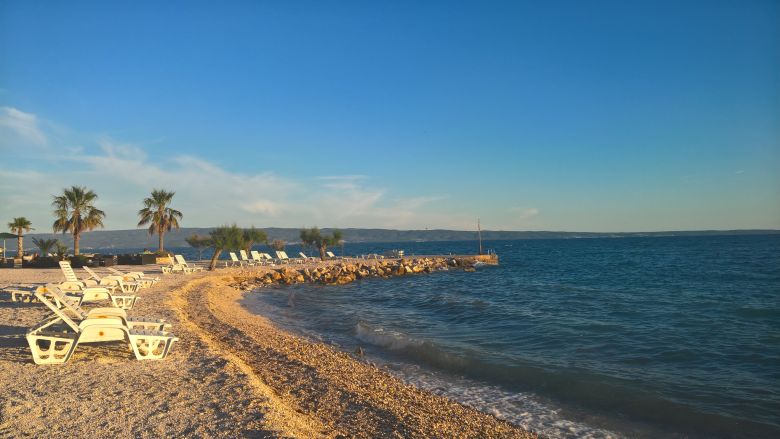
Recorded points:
(172, 267)
(246, 259)
(21, 292)
(330, 255)
(268, 258)
(282, 257)
(71, 307)
(185, 267)
(296, 260)
(72, 282)
(94, 293)
(306, 258)
(259, 260)
(136, 276)
(117, 281)
(234, 260)
(55, 346)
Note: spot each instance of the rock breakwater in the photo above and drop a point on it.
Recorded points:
(344, 272)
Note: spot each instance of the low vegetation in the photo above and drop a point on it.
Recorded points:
(225, 238)
(253, 236)
(316, 239)
(199, 243)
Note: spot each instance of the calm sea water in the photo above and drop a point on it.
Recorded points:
(634, 337)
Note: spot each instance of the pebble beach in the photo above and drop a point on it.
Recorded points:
(231, 374)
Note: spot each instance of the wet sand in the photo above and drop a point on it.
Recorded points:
(232, 374)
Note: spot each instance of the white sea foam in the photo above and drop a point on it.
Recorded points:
(386, 339)
(519, 408)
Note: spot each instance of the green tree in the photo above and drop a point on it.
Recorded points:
(199, 243)
(61, 250)
(76, 213)
(253, 236)
(19, 226)
(316, 239)
(45, 245)
(159, 215)
(225, 238)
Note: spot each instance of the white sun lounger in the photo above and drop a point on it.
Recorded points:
(117, 281)
(186, 268)
(258, 258)
(21, 292)
(71, 307)
(306, 258)
(295, 260)
(136, 276)
(246, 259)
(86, 294)
(282, 257)
(234, 260)
(50, 346)
(72, 282)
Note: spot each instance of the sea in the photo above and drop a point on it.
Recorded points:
(597, 337)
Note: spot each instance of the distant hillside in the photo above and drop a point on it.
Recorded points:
(139, 238)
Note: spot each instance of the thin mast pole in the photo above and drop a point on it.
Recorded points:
(479, 233)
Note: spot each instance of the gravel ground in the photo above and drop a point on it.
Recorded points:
(232, 374)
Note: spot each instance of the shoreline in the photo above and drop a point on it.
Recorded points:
(246, 375)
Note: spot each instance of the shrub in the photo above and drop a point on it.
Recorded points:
(45, 262)
(79, 261)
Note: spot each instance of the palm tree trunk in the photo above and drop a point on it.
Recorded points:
(19, 246)
(215, 258)
(76, 238)
(322, 252)
(160, 234)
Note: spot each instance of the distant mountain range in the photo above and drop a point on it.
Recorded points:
(139, 238)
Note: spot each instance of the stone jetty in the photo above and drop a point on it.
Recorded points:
(350, 270)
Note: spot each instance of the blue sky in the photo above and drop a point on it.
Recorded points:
(583, 116)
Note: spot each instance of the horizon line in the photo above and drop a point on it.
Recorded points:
(434, 230)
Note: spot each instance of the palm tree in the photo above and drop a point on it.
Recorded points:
(76, 213)
(45, 245)
(19, 226)
(160, 217)
(319, 241)
(225, 238)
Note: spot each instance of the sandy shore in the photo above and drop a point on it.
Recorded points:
(232, 374)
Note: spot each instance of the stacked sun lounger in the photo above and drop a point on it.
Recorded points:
(88, 290)
(56, 338)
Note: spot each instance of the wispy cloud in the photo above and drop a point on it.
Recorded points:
(23, 126)
(524, 213)
(123, 173)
